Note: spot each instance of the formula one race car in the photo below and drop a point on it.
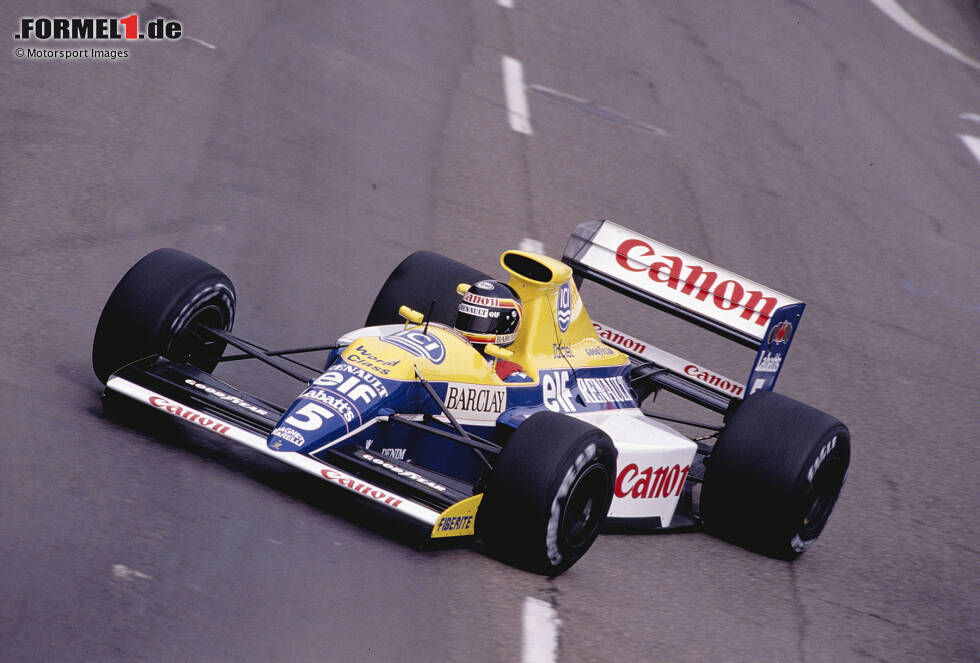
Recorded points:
(416, 415)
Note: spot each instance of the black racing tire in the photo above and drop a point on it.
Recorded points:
(416, 281)
(774, 475)
(548, 493)
(153, 308)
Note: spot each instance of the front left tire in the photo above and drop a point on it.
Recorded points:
(548, 493)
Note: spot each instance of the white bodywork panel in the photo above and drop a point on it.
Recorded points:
(653, 463)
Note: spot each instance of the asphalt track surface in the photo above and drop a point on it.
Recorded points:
(305, 148)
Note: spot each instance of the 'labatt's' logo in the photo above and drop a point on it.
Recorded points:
(769, 362)
(725, 295)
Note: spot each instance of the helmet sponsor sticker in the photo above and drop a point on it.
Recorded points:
(478, 311)
(480, 300)
(503, 340)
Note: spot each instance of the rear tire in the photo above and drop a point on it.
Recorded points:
(420, 278)
(153, 310)
(774, 475)
(548, 493)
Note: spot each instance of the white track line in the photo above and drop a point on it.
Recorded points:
(507, 4)
(531, 245)
(518, 112)
(201, 42)
(596, 109)
(895, 12)
(970, 116)
(972, 143)
(123, 572)
(540, 632)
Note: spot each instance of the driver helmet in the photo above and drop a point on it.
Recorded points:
(490, 312)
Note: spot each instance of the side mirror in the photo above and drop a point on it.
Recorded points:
(410, 315)
(497, 351)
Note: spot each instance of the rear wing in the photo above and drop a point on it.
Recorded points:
(692, 289)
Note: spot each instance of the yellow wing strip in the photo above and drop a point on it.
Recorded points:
(458, 520)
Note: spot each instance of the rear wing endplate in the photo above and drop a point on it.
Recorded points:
(690, 288)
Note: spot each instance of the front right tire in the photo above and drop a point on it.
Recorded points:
(154, 309)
